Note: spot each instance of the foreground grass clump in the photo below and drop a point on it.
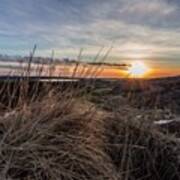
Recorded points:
(60, 136)
(139, 150)
(53, 139)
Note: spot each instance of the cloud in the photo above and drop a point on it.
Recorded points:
(136, 28)
(153, 7)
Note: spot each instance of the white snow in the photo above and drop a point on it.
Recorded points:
(160, 122)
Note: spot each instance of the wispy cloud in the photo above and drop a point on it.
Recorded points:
(136, 28)
(153, 7)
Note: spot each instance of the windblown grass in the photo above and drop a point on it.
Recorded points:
(69, 134)
(53, 139)
(67, 137)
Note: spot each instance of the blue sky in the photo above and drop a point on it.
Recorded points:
(137, 29)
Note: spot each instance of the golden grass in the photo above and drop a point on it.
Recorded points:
(67, 137)
(61, 135)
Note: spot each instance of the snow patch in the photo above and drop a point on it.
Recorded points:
(161, 122)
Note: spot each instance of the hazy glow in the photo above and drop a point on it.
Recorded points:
(147, 30)
(138, 69)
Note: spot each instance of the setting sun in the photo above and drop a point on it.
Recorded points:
(138, 69)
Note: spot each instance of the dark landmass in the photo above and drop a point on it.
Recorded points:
(142, 93)
(88, 129)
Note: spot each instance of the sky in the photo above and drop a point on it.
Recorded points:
(145, 30)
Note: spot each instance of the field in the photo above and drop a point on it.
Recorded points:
(89, 89)
(94, 129)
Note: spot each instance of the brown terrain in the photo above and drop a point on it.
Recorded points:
(90, 129)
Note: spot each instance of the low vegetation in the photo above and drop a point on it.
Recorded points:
(88, 130)
(93, 134)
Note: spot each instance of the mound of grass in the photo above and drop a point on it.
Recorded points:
(62, 136)
(53, 139)
(140, 151)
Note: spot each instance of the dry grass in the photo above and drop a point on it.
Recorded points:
(53, 139)
(61, 135)
(69, 138)
(139, 150)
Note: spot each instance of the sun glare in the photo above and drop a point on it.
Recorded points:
(138, 69)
